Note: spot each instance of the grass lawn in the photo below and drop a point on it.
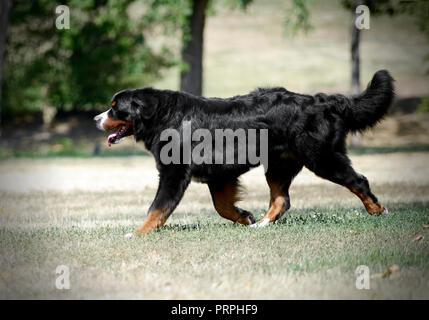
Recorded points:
(74, 212)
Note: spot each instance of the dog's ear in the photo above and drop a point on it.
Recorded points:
(145, 104)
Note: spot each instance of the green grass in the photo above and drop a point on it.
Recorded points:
(349, 235)
(322, 243)
(75, 212)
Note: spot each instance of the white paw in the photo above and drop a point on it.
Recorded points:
(264, 223)
(261, 224)
(385, 212)
(129, 235)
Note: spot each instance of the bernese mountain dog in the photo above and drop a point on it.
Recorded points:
(303, 130)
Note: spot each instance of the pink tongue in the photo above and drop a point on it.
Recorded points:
(111, 138)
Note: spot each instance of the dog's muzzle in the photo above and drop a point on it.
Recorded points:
(100, 119)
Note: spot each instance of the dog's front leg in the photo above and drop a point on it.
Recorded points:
(173, 181)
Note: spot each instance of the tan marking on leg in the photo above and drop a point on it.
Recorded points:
(155, 219)
(277, 202)
(271, 201)
(224, 201)
(370, 206)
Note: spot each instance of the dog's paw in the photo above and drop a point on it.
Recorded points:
(263, 223)
(251, 219)
(247, 218)
(129, 235)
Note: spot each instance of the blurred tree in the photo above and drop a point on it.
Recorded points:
(424, 105)
(375, 7)
(104, 49)
(191, 76)
(416, 8)
(80, 67)
(355, 56)
(355, 62)
(4, 22)
(297, 18)
(419, 9)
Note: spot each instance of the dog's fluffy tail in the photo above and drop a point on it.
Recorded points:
(369, 107)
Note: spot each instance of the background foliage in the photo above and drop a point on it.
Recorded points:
(104, 49)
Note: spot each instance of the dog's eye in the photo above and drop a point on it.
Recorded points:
(113, 103)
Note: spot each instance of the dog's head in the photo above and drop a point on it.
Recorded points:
(129, 110)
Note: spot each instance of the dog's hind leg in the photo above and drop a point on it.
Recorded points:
(224, 195)
(279, 175)
(337, 168)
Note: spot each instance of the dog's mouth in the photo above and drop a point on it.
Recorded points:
(121, 132)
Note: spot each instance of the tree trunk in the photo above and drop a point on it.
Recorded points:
(5, 6)
(191, 80)
(355, 83)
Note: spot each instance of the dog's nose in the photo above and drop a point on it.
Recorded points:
(99, 120)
